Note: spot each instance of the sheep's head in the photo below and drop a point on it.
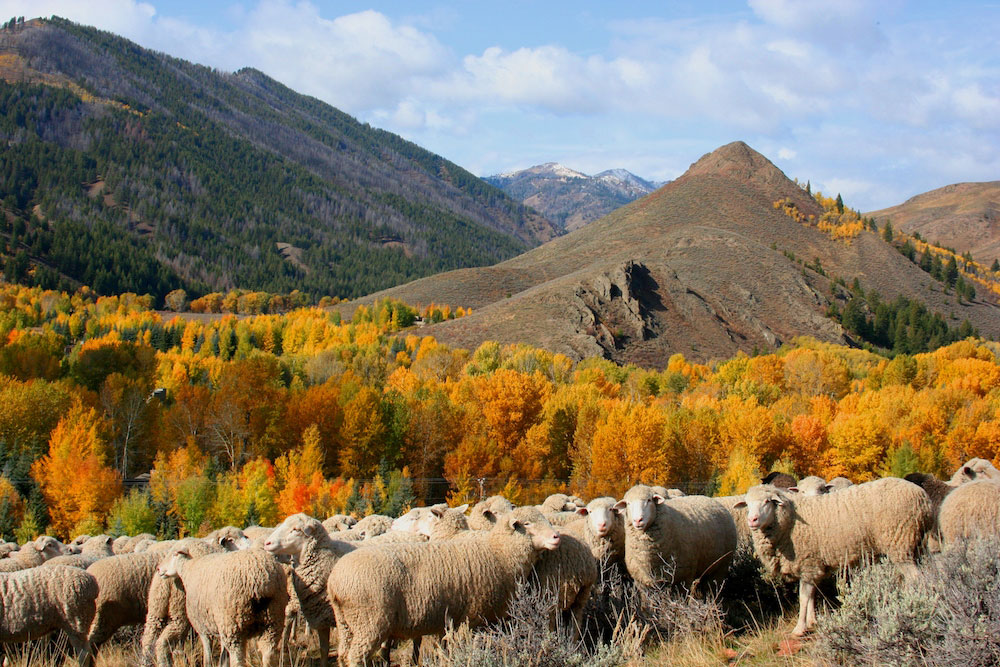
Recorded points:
(639, 506)
(50, 547)
(810, 486)
(171, 565)
(409, 521)
(373, 525)
(601, 515)
(975, 469)
(291, 537)
(531, 522)
(232, 538)
(431, 516)
(339, 522)
(762, 503)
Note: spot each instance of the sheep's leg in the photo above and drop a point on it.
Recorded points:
(269, 644)
(206, 648)
(363, 646)
(344, 637)
(323, 634)
(236, 650)
(807, 593)
(416, 651)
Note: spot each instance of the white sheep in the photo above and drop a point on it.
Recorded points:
(123, 583)
(166, 603)
(33, 554)
(809, 538)
(683, 541)
(486, 512)
(668, 493)
(974, 470)
(560, 502)
(738, 513)
(971, 511)
(372, 525)
(602, 528)
(406, 591)
(36, 601)
(339, 522)
(91, 551)
(810, 486)
(838, 484)
(314, 555)
(234, 596)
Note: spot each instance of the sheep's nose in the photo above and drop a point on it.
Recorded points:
(602, 526)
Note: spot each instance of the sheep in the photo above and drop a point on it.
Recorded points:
(118, 546)
(93, 550)
(974, 469)
(738, 514)
(972, 510)
(570, 572)
(315, 553)
(77, 542)
(233, 595)
(683, 541)
(809, 486)
(782, 480)
(668, 493)
(372, 525)
(808, 538)
(560, 502)
(7, 548)
(166, 616)
(37, 601)
(255, 533)
(405, 522)
(33, 554)
(935, 488)
(486, 512)
(602, 528)
(838, 484)
(135, 540)
(560, 519)
(339, 522)
(123, 583)
(229, 538)
(409, 590)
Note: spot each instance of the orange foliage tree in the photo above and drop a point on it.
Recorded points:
(74, 478)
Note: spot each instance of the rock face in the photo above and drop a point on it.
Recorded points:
(704, 266)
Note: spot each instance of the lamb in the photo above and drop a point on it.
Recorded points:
(234, 595)
(33, 554)
(315, 553)
(683, 541)
(93, 550)
(410, 590)
(123, 583)
(486, 512)
(37, 601)
(601, 528)
(838, 484)
(166, 615)
(809, 486)
(972, 510)
(339, 522)
(809, 538)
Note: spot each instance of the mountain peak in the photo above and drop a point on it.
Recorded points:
(737, 160)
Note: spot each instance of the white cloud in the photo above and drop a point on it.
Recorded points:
(786, 154)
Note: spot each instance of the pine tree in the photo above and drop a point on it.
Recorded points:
(887, 232)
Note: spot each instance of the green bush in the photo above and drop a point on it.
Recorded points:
(133, 514)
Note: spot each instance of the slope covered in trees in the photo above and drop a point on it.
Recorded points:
(128, 170)
(251, 419)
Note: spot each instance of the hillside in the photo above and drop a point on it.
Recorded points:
(963, 216)
(569, 198)
(129, 170)
(705, 266)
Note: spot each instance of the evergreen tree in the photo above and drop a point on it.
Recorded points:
(951, 271)
(840, 203)
(995, 266)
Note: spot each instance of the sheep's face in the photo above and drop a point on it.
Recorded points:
(639, 506)
(810, 486)
(234, 540)
(50, 547)
(170, 566)
(292, 535)
(602, 516)
(372, 525)
(409, 521)
(339, 522)
(975, 469)
(531, 522)
(431, 516)
(762, 506)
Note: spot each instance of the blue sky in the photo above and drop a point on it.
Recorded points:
(876, 100)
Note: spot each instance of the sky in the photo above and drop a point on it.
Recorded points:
(877, 101)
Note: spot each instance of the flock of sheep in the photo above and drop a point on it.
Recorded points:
(382, 580)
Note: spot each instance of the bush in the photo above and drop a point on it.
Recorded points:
(949, 616)
(133, 514)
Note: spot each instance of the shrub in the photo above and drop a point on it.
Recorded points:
(133, 514)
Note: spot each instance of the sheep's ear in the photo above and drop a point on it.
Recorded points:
(969, 471)
(582, 511)
(488, 514)
(793, 489)
(780, 500)
(829, 488)
(740, 505)
(183, 551)
(658, 499)
(438, 511)
(462, 508)
(620, 506)
(310, 528)
(109, 540)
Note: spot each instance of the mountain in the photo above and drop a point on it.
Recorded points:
(570, 198)
(705, 266)
(127, 169)
(963, 216)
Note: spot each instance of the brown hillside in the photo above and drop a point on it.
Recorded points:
(697, 267)
(963, 216)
